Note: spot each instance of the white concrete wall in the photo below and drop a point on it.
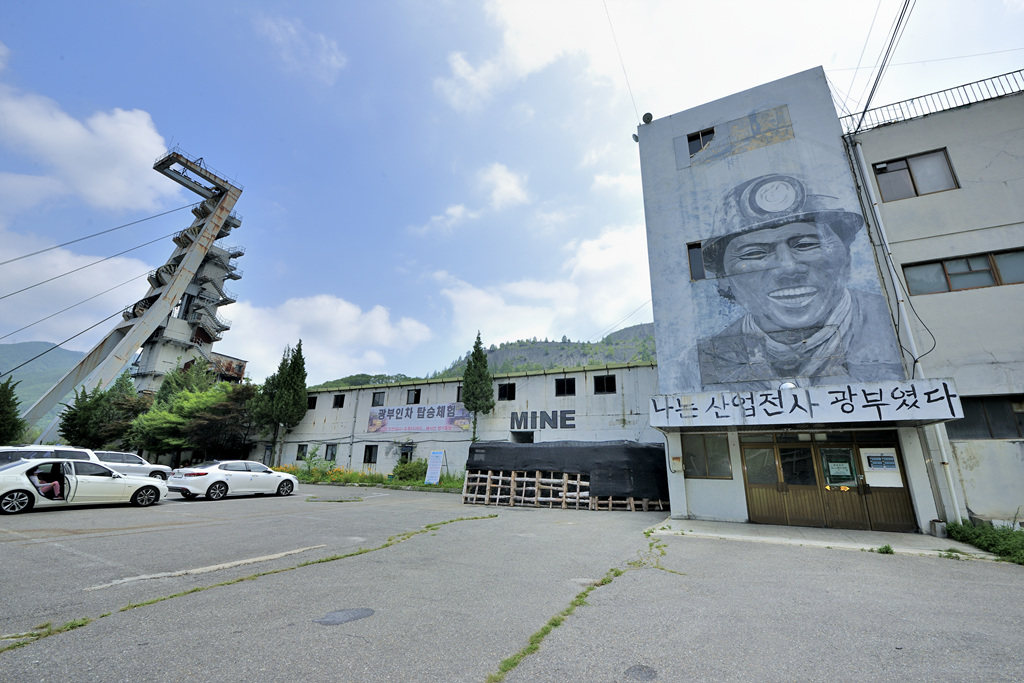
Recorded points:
(991, 472)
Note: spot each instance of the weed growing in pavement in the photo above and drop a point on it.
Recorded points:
(952, 554)
(40, 632)
(317, 499)
(1003, 541)
(886, 550)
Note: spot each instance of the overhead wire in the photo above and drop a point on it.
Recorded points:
(860, 59)
(57, 346)
(621, 62)
(96, 234)
(897, 33)
(88, 265)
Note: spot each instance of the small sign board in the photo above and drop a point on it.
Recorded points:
(434, 467)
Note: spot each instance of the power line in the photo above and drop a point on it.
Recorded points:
(619, 52)
(57, 346)
(22, 329)
(861, 57)
(929, 61)
(897, 33)
(95, 234)
(55, 277)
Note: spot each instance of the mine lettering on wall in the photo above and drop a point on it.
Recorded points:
(556, 419)
(914, 401)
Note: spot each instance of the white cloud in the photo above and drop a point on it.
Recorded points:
(338, 338)
(445, 223)
(604, 281)
(624, 183)
(506, 188)
(105, 160)
(302, 50)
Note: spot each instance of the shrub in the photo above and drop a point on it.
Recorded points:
(415, 471)
(998, 540)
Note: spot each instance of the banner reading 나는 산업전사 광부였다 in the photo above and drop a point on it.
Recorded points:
(444, 417)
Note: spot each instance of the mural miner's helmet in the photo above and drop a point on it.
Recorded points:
(771, 201)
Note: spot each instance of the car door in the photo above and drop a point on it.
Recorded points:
(98, 484)
(239, 479)
(134, 465)
(264, 479)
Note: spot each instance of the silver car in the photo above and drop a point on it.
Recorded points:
(129, 463)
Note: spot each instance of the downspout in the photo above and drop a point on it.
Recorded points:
(352, 436)
(861, 166)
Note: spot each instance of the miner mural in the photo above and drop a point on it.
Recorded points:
(781, 251)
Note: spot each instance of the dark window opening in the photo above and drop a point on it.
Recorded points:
(698, 141)
(696, 256)
(406, 454)
(412, 397)
(339, 400)
(310, 402)
(990, 417)
(604, 384)
(458, 394)
(300, 452)
(507, 392)
(522, 437)
(565, 386)
(706, 456)
(331, 454)
(378, 398)
(370, 454)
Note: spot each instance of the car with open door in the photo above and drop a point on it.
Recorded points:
(53, 482)
(218, 478)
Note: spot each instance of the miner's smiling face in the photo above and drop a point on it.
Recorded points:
(789, 277)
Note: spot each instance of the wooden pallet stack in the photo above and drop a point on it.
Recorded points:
(565, 490)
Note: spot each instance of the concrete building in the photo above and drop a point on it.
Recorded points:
(374, 428)
(795, 389)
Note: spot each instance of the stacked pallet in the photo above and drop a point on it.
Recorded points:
(565, 490)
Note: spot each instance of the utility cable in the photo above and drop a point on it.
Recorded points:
(900, 26)
(57, 346)
(106, 291)
(937, 59)
(122, 253)
(860, 59)
(96, 234)
(619, 52)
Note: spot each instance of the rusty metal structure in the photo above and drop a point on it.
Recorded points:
(177, 321)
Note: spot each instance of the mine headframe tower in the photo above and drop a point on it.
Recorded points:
(178, 316)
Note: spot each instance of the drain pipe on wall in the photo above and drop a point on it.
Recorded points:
(905, 320)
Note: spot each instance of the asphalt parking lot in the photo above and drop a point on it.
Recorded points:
(366, 584)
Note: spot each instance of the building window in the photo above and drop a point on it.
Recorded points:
(370, 454)
(300, 452)
(458, 394)
(339, 400)
(507, 392)
(991, 417)
(565, 386)
(698, 141)
(406, 453)
(378, 398)
(604, 384)
(331, 454)
(696, 261)
(412, 397)
(914, 176)
(706, 456)
(522, 437)
(310, 402)
(968, 272)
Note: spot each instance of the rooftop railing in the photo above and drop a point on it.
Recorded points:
(979, 91)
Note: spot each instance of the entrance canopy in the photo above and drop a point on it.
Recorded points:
(848, 406)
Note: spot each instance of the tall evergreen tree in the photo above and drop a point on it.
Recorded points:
(11, 424)
(283, 399)
(477, 385)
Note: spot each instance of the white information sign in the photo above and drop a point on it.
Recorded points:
(434, 467)
(881, 468)
(909, 402)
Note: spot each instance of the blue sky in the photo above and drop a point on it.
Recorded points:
(414, 171)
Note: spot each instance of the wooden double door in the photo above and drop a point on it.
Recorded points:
(821, 485)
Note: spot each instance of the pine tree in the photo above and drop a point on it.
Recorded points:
(477, 385)
(283, 400)
(11, 424)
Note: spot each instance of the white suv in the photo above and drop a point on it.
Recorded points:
(129, 463)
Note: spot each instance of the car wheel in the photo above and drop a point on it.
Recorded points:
(158, 475)
(145, 497)
(188, 495)
(217, 491)
(13, 502)
(285, 488)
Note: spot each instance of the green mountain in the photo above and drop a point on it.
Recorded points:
(39, 375)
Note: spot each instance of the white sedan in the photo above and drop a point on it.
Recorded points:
(217, 479)
(52, 482)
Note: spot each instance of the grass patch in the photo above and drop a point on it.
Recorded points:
(886, 550)
(1002, 541)
(510, 663)
(39, 632)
